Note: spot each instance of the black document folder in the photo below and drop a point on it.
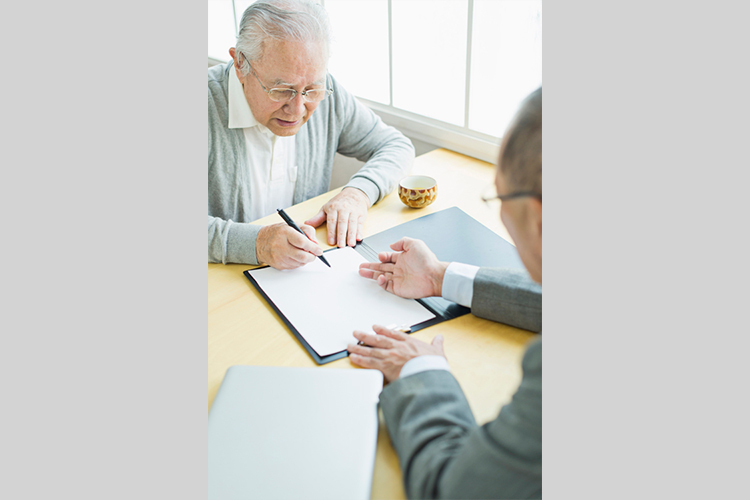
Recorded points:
(453, 235)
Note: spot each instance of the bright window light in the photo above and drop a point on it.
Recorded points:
(221, 32)
(429, 58)
(506, 61)
(359, 59)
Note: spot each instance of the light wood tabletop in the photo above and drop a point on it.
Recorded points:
(485, 357)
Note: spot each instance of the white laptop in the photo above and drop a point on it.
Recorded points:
(293, 433)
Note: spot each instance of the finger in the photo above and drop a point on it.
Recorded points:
(384, 279)
(351, 231)
(311, 234)
(367, 273)
(366, 362)
(438, 342)
(399, 245)
(388, 257)
(373, 340)
(317, 219)
(341, 225)
(302, 242)
(368, 352)
(381, 268)
(301, 258)
(389, 286)
(381, 330)
(331, 223)
(293, 260)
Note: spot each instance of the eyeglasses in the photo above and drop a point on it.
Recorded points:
(286, 95)
(510, 196)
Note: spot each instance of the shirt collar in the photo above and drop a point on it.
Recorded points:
(240, 115)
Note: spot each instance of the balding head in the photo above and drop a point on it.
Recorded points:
(521, 150)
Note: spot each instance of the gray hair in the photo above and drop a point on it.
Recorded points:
(521, 157)
(302, 20)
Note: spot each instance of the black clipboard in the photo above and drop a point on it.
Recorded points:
(453, 235)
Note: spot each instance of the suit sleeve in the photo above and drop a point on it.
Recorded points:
(508, 296)
(444, 454)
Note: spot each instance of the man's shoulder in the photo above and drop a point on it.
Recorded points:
(218, 72)
(217, 79)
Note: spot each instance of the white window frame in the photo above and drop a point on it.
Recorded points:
(461, 139)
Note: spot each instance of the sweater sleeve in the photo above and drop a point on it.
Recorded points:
(231, 242)
(387, 153)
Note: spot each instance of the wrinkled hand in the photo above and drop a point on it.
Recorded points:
(388, 350)
(345, 214)
(412, 272)
(282, 247)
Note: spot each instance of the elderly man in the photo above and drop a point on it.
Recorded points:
(443, 453)
(276, 118)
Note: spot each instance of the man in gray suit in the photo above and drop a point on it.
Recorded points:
(442, 451)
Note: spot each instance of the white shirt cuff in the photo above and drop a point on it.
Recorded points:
(422, 364)
(458, 283)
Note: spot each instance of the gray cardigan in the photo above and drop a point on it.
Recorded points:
(339, 124)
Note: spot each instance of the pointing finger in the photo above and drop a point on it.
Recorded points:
(317, 220)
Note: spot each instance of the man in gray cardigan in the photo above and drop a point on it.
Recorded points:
(442, 451)
(276, 119)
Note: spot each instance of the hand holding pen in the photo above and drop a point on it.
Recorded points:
(283, 247)
(291, 223)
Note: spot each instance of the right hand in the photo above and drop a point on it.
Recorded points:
(282, 247)
(412, 271)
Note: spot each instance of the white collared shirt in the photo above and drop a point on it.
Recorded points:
(272, 159)
(458, 287)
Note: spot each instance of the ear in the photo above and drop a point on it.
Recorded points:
(535, 207)
(235, 55)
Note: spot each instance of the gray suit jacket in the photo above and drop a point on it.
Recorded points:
(442, 451)
(508, 296)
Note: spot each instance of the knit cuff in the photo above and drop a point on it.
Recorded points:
(241, 244)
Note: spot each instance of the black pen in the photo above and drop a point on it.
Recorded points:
(291, 223)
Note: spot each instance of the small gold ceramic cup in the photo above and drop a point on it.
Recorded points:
(417, 191)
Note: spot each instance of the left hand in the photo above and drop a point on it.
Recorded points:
(345, 214)
(388, 350)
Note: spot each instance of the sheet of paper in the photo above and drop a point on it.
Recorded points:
(326, 305)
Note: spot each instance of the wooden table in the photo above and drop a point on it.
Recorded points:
(484, 356)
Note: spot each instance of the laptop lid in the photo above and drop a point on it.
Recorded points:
(287, 432)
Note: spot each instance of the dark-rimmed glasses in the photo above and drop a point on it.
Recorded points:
(510, 196)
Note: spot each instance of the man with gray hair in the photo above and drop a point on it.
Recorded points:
(442, 451)
(276, 118)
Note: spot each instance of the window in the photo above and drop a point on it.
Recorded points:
(448, 72)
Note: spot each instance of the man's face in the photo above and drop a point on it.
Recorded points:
(522, 219)
(285, 64)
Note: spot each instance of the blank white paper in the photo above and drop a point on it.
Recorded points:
(326, 305)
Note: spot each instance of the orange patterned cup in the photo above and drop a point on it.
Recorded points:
(417, 191)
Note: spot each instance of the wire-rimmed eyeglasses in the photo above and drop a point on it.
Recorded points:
(286, 95)
(510, 196)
